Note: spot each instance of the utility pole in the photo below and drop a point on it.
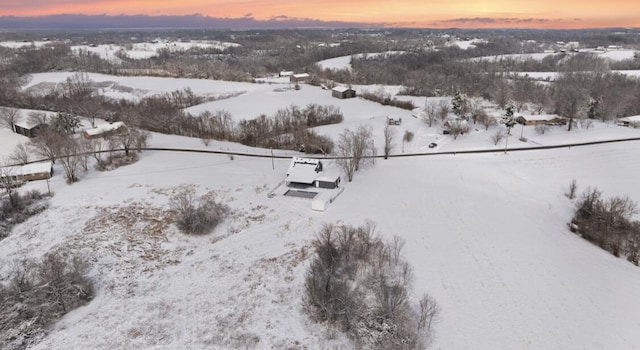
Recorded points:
(273, 165)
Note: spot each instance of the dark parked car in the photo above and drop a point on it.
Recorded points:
(433, 145)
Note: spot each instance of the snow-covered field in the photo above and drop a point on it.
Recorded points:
(135, 88)
(148, 50)
(486, 235)
(19, 44)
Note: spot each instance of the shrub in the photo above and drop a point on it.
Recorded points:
(361, 285)
(385, 99)
(20, 208)
(116, 160)
(37, 295)
(197, 215)
(573, 187)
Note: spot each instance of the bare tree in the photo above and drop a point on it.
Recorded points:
(570, 96)
(38, 118)
(134, 139)
(389, 133)
(9, 117)
(78, 86)
(443, 110)
(486, 120)
(48, 144)
(20, 154)
(431, 112)
(355, 150)
(429, 311)
(573, 187)
(497, 136)
(363, 150)
(90, 108)
(408, 136)
(9, 182)
(540, 98)
(97, 146)
(86, 149)
(457, 127)
(344, 152)
(70, 158)
(475, 109)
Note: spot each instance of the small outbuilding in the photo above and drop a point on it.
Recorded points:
(343, 92)
(299, 78)
(30, 129)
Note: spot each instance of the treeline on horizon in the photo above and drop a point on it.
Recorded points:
(428, 64)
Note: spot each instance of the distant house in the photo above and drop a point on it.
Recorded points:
(542, 119)
(306, 172)
(630, 121)
(106, 130)
(299, 78)
(392, 121)
(28, 172)
(343, 92)
(284, 74)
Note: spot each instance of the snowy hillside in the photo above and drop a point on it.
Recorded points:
(486, 235)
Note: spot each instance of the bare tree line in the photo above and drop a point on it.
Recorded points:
(608, 222)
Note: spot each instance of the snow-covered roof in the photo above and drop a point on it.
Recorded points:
(35, 168)
(25, 122)
(104, 128)
(303, 170)
(341, 88)
(286, 73)
(301, 75)
(539, 117)
(631, 119)
(28, 169)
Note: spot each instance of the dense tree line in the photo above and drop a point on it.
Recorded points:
(608, 222)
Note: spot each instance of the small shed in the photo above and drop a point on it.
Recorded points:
(29, 129)
(299, 78)
(343, 92)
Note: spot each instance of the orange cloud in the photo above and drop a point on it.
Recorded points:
(509, 13)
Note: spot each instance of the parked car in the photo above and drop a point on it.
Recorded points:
(433, 145)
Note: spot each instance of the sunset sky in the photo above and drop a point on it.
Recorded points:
(413, 13)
